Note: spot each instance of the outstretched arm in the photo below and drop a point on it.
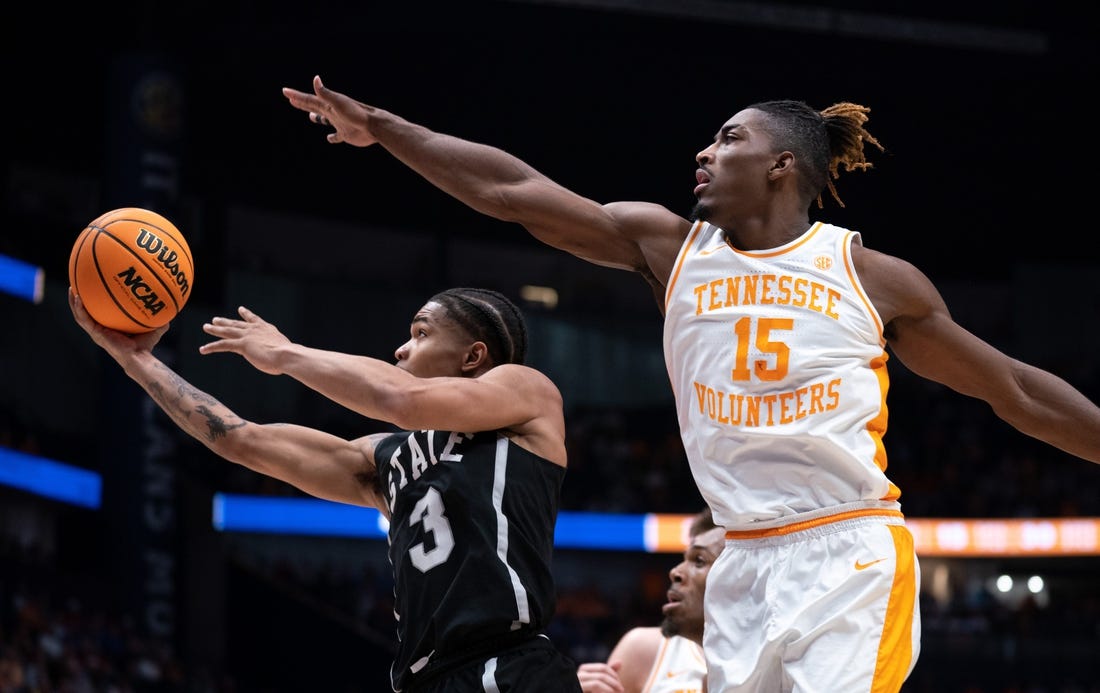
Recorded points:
(313, 461)
(925, 337)
(509, 396)
(637, 236)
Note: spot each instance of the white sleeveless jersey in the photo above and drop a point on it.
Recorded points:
(680, 668)
(778, 365)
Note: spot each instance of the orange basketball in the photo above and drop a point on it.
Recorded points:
(132, 268)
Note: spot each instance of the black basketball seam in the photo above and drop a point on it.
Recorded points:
(142, 261)
(181, 242)
(103, 279)
(107, 290)
(75, 256)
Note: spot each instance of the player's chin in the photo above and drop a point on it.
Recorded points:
(700, 212)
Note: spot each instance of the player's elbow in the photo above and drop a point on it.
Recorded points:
(1025, 402)
(401, 406)
(529, 200)
(241, 444)
(501, 201)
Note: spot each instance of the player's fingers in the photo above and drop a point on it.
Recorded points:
(79, 312)
(591, 685)
(298, 100)
(330, 100)
(224, 322)
(613, 683)
(303, 101)
(222, 331)
(599, 679)
(297, 94)
(218, 346)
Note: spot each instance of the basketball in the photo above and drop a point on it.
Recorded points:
(132, 269)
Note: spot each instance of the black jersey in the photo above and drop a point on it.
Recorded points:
(470, 540)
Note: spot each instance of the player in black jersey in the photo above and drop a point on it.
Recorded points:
(471, 487)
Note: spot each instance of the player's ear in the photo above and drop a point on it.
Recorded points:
(477, 356)
(782, 165)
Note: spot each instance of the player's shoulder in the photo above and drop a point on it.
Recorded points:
(520, 375)
(638, 218)
(869, 260)
(370, 441)
(645, 633)
(895, 286)
(636, 653)
(639, 644)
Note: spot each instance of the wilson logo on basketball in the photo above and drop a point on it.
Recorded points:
(167, 257)
(132, 269)
(823, 262)
(141, 290)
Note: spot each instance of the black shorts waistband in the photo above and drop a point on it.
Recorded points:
(476, 654)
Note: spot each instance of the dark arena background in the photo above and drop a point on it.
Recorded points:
(131, 559)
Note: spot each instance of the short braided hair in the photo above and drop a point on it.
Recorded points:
(824, 140)
(488, 316)
(703, 521)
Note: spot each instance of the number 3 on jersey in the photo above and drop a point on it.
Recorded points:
(429, 512)
(742, 329)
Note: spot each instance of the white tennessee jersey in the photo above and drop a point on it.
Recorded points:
(778, 364)
(680, 668)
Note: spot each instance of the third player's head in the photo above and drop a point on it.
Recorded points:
(683, 614)
(463, 332)
(778, 150)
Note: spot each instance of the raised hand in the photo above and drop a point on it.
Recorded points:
(252, 337)
(350, 119)
(118, 344)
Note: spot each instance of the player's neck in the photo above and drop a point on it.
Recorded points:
(763, 234)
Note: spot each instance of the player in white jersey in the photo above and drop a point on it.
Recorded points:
(666, 658)
(817, 590)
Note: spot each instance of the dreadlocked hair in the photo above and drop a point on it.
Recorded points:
(844, 123)
(488, 316)
(826, 140)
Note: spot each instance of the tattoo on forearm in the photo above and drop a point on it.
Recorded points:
(196, 412)
(216, 427)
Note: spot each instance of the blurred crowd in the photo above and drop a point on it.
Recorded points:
(61, 635)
